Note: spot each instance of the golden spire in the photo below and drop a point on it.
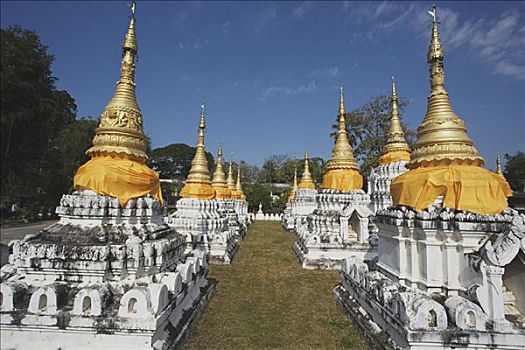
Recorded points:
(294, 187)
(341, 171)
(238, 186)
(306, 179)
(498, 166)
(230, 181)
(342, 154)
(396, 147)
(198, 184)
(117, 167)
(120, 130)
(442, 136)
(444, 161)
(219, 178)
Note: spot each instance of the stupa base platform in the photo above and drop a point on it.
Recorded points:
(89, 334)
(330, 256)
(385, 331)
(102, 277)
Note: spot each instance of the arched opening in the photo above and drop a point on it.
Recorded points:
(132, 306)
(42, 302)
(354, 227)
(470, 319)
(432, 318)
(86, 304)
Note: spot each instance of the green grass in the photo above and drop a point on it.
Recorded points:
(265, 300)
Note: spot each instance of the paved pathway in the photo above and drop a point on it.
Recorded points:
(265, 300)
(18, 231)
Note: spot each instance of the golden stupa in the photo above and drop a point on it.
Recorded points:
(219, 182)
(117, 166)
(396, 147)
(231, 182)
(444, 161)
(198, 184)
(499, 169)
(306, 179)
(238, 186)
(342, 172)
(294, 187)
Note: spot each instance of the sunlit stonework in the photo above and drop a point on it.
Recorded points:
(446, 277)
(110, 274)
(333, 224)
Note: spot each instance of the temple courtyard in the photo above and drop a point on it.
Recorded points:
(266, 300)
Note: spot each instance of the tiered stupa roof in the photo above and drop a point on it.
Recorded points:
(238, 185)
(342, 172)
(294, 187)
(231, 182)
(198, 184)
(444, 161)
(306, 180)
(219, 183)
(396, 148)
(117, 166)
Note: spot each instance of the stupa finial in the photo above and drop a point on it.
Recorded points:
(396, 147)
(120, 130)
(442, 136)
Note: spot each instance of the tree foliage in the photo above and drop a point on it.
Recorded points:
(515, 171)
(174, 161)
(367, 128)
(33, 115)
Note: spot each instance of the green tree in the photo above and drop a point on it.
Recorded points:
(515, 171)
(33, 114)
(367, 128)
(271, 171)
(255, 194)
(174, 161)
(72, 143)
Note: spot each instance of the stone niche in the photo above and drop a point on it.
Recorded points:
(206, 228)
(445, 279)
(102, 277)
(338, 228)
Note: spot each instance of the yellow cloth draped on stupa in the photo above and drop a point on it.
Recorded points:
(396, 148)
(198, 184)
(294, 187)
(342, 172)
(444, 161)
(117, 166)
(306, 180)
(219, 183)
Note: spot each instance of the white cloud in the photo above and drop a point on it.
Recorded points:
(288, 91)
(302, 10)
(264, 19)
(226, 27)
(331, 72)
(196, 44)
(498, 42)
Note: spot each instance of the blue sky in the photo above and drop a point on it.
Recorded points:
(269, 71)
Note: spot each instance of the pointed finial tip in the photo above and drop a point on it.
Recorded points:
(132, 7)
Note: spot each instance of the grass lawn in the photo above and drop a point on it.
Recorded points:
(265, 300)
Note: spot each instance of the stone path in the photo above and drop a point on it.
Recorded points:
(265, 300)
(10, 232)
